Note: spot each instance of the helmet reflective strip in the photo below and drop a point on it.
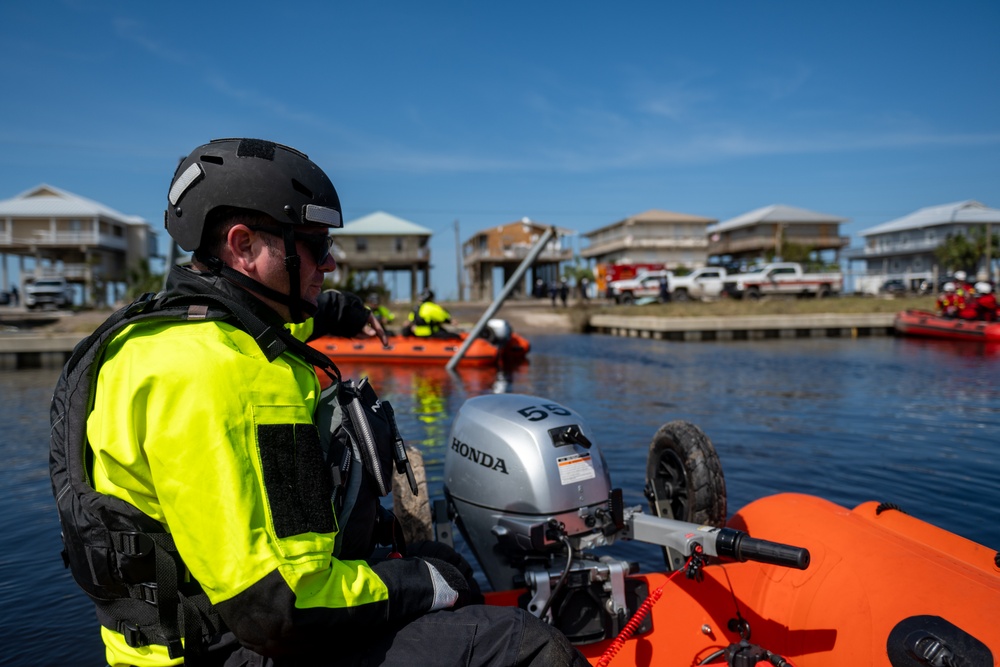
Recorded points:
(323, 215)
(183, 182)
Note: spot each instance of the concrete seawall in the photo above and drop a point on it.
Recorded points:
(746, 328)
(45, 349)
(36, 350)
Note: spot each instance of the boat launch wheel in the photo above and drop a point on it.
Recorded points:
(684, 480)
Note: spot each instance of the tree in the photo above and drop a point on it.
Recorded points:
(965, 252)
(141, 279)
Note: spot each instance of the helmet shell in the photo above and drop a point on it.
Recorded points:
(984, 287)
(427, 295)
(960, 275)
(253, 174)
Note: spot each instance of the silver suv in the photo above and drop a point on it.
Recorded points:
(48, 291)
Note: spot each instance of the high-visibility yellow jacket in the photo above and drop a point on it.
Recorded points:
(427, 319)
(194, 426)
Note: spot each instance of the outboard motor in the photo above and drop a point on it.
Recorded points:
(497, 331)
(529, 492)
(532, 497)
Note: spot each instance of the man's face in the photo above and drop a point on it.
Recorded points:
(311, 240)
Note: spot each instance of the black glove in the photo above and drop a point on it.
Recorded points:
(454, 579)
(429, 549)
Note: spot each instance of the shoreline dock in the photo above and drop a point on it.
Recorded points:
(42, 349)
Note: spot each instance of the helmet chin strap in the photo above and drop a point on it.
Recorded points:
(298, 308)
(292, 265)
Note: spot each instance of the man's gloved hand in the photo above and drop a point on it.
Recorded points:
(450, 588)
(431, 549)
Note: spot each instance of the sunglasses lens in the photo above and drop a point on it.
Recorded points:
(318, 246)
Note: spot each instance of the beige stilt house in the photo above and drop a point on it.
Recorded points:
(505, 247)
(68, 236)
(382, 243)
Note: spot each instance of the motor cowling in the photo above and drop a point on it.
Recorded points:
(518, 471)
(498, 332)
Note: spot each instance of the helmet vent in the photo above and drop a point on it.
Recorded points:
(214, 159)
(302, 189)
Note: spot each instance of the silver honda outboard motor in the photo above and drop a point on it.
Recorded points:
(529, 492)
(532, 496)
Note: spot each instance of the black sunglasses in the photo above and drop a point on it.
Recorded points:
(318, 245)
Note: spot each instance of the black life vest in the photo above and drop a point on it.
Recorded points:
(126, 561)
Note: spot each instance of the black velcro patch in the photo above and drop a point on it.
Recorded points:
(297, 481)
(255, 148)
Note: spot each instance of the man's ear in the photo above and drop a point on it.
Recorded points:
(243, 247)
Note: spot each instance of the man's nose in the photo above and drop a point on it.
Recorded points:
(329, 264)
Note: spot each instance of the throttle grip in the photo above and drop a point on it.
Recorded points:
(739, 546)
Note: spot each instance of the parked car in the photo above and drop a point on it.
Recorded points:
(48, 291)
(785, 278)
(646, 284)
(894, 287)
(703, 283)
(5, 298)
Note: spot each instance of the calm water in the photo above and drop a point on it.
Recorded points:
(902, 421)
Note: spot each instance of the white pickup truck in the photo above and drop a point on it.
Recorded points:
(782, 278)
(704, 283)
(646, 284)
(48, 291)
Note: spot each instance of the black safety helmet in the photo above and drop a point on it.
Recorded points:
(254, 175)
(250, 174)
(427, 295)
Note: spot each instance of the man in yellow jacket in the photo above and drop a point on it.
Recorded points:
(223, 495)
(427, 318)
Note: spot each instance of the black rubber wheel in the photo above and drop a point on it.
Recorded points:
(681, 295)
(684, 480)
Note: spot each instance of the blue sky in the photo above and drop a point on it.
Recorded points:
(574, 114)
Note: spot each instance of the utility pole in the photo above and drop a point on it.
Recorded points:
(989, 253)
(458, 263)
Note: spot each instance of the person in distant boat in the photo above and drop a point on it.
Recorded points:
(963, 288)
(948, 303)
(986, 302)
(382, 314)
(214, 500)
(427, 318)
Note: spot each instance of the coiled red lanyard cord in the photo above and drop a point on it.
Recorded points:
(636, 620)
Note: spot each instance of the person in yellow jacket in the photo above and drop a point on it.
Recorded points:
(427, 318)
(213, 437)
(384, 316)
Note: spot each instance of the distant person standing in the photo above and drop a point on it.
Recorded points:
(15, 297)
(563, 291)
(664, 288)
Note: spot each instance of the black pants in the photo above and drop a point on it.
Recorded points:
(473, 636)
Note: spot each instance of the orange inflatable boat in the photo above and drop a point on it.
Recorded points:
(929, 325)
(876, 577)
(817, 584)
(414, 350)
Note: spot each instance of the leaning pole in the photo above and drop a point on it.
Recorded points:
(507, 289)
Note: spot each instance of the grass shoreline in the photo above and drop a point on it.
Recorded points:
(776, 306)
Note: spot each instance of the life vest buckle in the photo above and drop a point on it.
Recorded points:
(148, 593)
(132, 634)
(140, 304)
(135, 544)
